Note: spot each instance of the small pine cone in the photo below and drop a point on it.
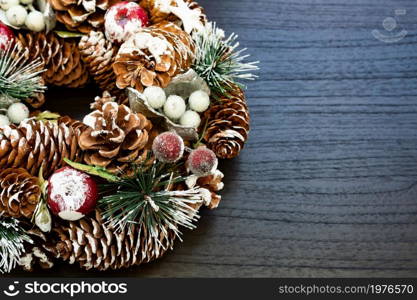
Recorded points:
(228, 125)
(116, 137)
(213, 183)
(81, 15)
(98, 55)
(61, 58)
(93, 244)
(158, 13)
(35, 144)
(36, 253)
(153, 57)
(38, 99)
(20, 193)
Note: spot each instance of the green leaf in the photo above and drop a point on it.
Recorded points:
(68, 34)
(93, 170)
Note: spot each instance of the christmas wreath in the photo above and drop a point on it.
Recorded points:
(115, 189)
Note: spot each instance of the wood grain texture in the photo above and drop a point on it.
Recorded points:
(327, 183)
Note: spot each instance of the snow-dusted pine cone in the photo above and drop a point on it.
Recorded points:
(213, 183)
(93, 244)
(153, 57)
(20, 193)
(98, 54)
(36, 144)
(81, 15)
(36, 253)
(159, 10)
(228, 125)
(116, 137)
(61, 58)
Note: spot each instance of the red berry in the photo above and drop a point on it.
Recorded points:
(168, 147)
(124, 19)
(71, 193)
(6, 36)
(202, 161)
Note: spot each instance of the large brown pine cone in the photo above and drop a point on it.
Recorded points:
(138, 64)
(36, 144)
(20, 193)
(116, 137)
(61, 58)
(81, 15)
(98, 54)
(228, 125)
(158, 13)
(93, 244)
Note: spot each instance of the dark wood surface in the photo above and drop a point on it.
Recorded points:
(327, 183)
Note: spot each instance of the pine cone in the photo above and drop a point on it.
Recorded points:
(228, 125)
(116, 138)
(81, 15)
(36, 144)
(214, 184)
(20, 193)
(159, 13)
(38, 99)
(95, 245)
(138, 64)
(61, 58)
(36, 254)
(98, 55)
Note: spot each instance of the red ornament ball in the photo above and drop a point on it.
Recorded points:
(71, 194)
(6, 36)
(168, 147)
(202, 161)
(123, 20)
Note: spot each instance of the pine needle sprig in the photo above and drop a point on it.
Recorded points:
(12, 240)
(19, 77)
(219, 61)
(146, 200)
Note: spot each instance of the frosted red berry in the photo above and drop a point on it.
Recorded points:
(71, 194)
(168, 147)
(6, 36)
(202, 161)
(124, 19)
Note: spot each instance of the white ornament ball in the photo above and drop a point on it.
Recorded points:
(199, 101)
(17, 112)
(26, 2)
(155, 96)
(190, 119)
(16, 15)
(4, 120)
(6, 4)
(35, 21)
(174, 107)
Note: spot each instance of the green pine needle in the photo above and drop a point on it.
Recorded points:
(19, 77)
(146, 200)
(12, 240)
(219, 62)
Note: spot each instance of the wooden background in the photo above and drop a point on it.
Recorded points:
(327, 184)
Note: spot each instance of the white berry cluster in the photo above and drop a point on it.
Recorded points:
(16, 113)
(176, 108)
(21, 13)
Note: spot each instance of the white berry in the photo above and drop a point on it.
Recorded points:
(35, 21)
(155, 96)
(199, 101)
(174, 108)
(16, 15)
(17, 112)
(4, 120)
(190, 119)
(6, 4)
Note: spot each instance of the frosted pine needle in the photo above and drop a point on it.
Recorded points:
(12, 240)
(19, 77)
(219, 61)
